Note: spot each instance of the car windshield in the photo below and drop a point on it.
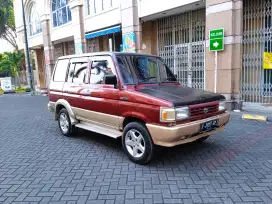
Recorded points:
(150, 69)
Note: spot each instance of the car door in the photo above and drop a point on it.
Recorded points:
(75, 81)
(100, 102)
(58, 80)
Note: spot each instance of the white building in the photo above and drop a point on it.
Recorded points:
(176, 30)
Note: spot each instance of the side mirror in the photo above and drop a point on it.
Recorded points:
(111, 80)
(176, 76)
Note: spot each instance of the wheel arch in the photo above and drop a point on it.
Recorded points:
(133, 118)
(138, 125)
(64, 104)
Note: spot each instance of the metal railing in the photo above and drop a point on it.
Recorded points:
(257, 49)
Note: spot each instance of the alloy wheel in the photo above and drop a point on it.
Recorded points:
(64, 122)
(135, 143)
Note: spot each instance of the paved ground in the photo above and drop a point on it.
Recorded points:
(38, 165)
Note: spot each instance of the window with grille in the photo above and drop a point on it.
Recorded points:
(97, 6)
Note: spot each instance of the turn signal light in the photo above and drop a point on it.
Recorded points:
(167, 115)
(164, 115)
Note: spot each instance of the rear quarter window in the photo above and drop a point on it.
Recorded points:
(61, 70)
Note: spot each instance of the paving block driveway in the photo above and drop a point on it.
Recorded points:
(39, 165)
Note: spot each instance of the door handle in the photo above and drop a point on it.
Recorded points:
(123, 98)
(87, 92)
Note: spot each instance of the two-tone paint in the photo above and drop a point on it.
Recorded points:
(112, 107)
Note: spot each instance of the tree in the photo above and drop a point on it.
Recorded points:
(7, 23)
(11, 63)
(4, 70)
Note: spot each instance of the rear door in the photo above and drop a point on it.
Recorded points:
(58, 80)
(75, 81)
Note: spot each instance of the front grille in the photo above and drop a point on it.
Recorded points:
(199, 111)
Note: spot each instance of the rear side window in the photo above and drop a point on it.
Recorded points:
(80, 73)
(61, 70)
(77, 70)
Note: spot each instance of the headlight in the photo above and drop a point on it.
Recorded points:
(182, 113)
(222, 105)
(172, 114)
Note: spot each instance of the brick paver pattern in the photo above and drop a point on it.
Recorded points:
(39, 165)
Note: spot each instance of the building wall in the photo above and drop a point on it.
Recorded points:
(139, 18)
(62, 32)
(105, 18)
(35, 40)
(93, 45)
(62, 49)
(150, 7)
(229, 60)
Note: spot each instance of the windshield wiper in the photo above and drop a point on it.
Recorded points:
(147, 79)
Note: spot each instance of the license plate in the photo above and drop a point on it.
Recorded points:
(209, 126)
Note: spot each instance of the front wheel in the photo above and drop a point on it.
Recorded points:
(137, 143)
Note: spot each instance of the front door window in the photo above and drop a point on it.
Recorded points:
(102, 66)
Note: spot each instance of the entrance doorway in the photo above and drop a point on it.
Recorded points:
(181, 43)
(115, 42)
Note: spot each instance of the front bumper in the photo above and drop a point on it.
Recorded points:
(185, 133)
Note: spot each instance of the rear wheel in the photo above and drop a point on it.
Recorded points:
(137, 143)
(66, 128)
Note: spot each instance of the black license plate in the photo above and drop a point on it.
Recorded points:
(209, 126)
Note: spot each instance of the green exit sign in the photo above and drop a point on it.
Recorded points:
(217, 39)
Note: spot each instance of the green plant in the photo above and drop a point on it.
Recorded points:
(10, 63)
(21, 89)
(4, 69)
(27, 89)
(1, 92)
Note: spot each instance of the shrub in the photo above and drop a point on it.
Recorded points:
(22, 90)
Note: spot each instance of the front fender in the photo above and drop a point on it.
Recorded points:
(62, 102)
(135, 115)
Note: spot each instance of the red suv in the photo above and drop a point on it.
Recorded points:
(133, 96)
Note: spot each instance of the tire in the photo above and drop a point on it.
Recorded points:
(203, 139)
(65, 126)
(137, 143)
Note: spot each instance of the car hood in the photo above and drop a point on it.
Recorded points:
(179, 95)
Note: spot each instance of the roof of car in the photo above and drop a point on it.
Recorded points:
(105, 53)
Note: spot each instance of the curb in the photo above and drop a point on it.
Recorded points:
(255, 117)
